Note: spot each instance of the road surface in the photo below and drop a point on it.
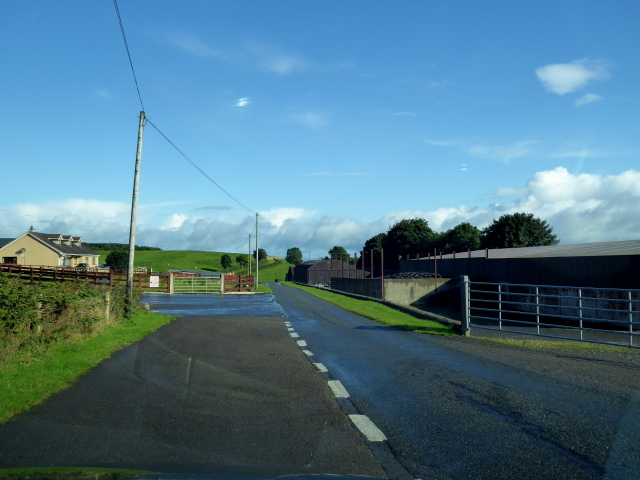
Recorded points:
(458, 408)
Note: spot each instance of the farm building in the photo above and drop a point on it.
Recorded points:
(319, 272)
(598, 265)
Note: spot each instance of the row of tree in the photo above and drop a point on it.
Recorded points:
(414, 237)
(242, 260)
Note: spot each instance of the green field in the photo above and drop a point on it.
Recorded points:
(165, 260)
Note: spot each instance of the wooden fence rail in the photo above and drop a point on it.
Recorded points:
(238, 283)
(157, 282)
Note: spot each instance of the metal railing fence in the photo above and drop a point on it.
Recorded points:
(595, 315)
(197, 284)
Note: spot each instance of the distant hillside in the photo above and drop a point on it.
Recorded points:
(117, 246)
(165, 260)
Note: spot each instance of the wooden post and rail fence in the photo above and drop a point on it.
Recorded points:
(174, 282)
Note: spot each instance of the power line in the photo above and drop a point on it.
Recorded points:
(124, 37)
(199, 169)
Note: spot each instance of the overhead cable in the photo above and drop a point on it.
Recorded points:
(198, 168)
(124, 37)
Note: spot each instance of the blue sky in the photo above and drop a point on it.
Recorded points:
(333, 120)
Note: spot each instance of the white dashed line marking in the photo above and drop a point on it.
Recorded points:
(301, 343)
(321, 367)
(307, 353)
(290, 329)
(287, 324)
(338, 389)
(294, 335)
(368, 428)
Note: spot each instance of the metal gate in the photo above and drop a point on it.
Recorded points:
(197, 284)
(596, 315)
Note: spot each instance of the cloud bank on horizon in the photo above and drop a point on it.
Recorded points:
(581, 208)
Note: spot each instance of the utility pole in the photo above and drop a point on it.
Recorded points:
(249, 254)
(134, 208)
(257, 258)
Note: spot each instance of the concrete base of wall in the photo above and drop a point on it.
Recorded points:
(403, 308)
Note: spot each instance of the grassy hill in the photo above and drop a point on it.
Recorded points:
(164, 260)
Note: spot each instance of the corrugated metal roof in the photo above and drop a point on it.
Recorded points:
(628, 247)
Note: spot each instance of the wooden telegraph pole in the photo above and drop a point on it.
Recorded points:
(134, 207)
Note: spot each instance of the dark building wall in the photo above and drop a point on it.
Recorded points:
(614, 271)
(321, 272)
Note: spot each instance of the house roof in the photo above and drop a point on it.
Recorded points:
(601, 249)
(47, 240)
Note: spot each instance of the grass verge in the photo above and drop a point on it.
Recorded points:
(379, 312)
(22, 386)
(75, 473)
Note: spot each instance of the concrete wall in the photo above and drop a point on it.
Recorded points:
(614, 271)
(421, 291)
(366, 287)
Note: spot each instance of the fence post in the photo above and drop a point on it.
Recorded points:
(630, 318)
(499, 306)
(465, 329)
(222, 283)
(382, 270)
(538, 312)
(580, 311)
(107, 308)
(170, 282)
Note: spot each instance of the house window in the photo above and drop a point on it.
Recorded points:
(9, 259)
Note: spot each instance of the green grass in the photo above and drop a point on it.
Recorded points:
(75, 473)
(22, 386)
(379, 312)
(165, 260)
(560, 344)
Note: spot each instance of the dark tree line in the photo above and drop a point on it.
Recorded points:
(415, 238)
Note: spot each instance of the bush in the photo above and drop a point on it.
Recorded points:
(34, 316)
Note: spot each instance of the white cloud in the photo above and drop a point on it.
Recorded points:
(276, 60)
(266, 57)
(313, 120)
(587, 99)
(505, 153)
(174, 222)
(194, 46)
(563, 78)
(580, 208)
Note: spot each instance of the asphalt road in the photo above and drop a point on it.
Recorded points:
(459, 408)
(223, 390)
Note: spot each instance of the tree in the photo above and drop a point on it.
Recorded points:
(262, 254)
(294, 256)
(118, 260)
(225, 261)
(406, 237)
(340, 253)
(375, 243)
(241, 260)
(461, 238)
(518, 230)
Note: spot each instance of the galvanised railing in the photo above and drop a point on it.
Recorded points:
(595, 315)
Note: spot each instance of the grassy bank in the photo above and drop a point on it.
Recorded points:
(165, 260)
(379, 312)
(24, 385)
